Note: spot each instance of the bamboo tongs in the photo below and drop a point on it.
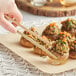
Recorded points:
(49, 54)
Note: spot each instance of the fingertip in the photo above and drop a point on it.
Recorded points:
(17, 15)
(12, 29)
(7, 25)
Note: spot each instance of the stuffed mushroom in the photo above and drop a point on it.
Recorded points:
(25, 42)
(69, 25)
(60, 49)
(51, 31)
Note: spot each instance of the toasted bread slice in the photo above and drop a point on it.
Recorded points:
(26, 43)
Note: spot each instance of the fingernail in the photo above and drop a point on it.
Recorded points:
(14, 24)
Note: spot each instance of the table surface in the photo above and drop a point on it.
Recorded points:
(11, 64)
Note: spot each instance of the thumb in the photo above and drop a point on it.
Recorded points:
(7, 25)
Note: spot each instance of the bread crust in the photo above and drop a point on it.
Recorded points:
(61, 60)
(72, 54)
(39, 51)
(26, 43)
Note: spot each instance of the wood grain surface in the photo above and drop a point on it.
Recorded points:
(54, 9)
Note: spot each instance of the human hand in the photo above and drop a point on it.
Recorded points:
(9, 7)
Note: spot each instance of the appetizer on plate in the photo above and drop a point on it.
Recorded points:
(60, 44)
(60, 49)
(69, 25)
(25, 42)
(73, 50)
(51, 31)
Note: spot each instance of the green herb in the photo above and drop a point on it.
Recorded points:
(55, 49)
(48, 27)
(70, 23)
(63, 48)
(60, 41)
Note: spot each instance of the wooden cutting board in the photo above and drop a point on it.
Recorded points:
(11, 41)
(54, 9)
